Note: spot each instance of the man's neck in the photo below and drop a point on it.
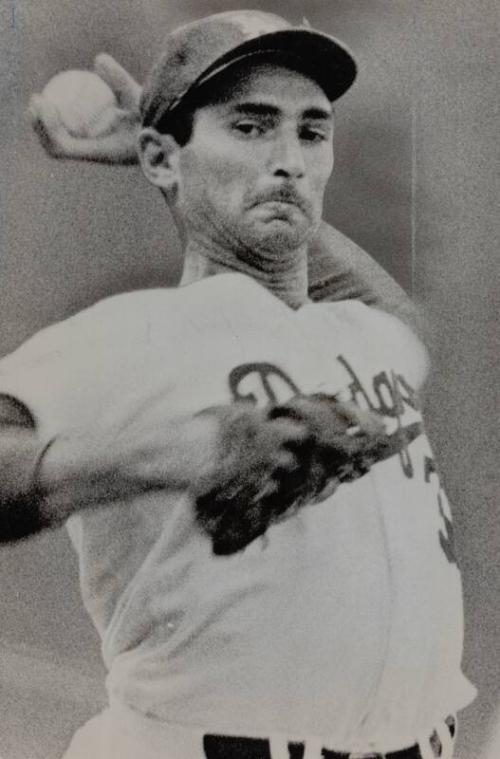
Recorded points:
(285, 278)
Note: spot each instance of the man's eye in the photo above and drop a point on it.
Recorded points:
(313, 134)
(248, 128)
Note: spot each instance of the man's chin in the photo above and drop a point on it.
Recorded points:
(281, 236)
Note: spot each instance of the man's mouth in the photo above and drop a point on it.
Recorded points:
(280, 207)
(281, 200)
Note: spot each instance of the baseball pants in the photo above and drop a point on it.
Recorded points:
(120, 733)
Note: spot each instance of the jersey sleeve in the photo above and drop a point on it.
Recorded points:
(89, 366)
(37, 370)
(57, 368)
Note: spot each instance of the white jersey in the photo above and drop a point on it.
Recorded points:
(345, 621)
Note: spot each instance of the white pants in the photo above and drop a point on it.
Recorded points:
(120, 733)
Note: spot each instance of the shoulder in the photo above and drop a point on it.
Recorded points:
(377, 332)
(107, 319)
(368, 319)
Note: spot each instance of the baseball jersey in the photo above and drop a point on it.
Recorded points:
(345, 620)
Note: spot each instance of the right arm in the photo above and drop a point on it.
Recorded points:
(338, 268)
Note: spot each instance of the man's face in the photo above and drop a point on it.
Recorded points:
(253, 175)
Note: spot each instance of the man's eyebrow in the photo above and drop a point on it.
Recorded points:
(256, 109)
(267, 109)
(318, 114)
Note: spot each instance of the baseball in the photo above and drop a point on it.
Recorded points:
(85, 103)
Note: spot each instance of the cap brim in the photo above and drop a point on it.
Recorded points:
(319, 56)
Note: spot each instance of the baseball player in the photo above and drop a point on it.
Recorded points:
(336, 631)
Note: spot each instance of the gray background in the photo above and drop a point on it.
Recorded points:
(416, 184)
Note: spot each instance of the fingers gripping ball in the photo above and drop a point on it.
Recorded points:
(85, 103)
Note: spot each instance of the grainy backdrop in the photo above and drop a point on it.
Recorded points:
(416, 184)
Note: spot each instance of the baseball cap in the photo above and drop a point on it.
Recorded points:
(200, 50)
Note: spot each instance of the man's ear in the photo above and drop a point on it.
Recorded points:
(157, 155)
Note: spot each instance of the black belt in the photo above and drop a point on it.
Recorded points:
(228, 747)
(233, 747)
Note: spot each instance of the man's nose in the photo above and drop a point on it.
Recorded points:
(287, 157)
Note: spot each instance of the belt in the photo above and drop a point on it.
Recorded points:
(235, 747)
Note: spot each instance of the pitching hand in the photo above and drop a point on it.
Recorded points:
(116, 144)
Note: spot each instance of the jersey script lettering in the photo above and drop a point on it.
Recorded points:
(262, 383)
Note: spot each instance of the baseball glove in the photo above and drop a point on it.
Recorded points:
(276, 460)
(249, 484)
(344, 441)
